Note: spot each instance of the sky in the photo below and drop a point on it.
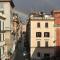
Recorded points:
(27, 6)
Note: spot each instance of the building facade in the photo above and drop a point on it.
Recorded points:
(2, 41)
(41, 36)
(6, 9)
(56, 14)
(16, 29)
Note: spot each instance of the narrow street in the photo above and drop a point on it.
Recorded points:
(19, 48)
(19, 52)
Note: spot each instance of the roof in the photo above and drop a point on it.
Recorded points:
(56, 11)
(4, 0)
(42, 17)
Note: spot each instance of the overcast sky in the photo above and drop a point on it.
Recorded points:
(41, 5)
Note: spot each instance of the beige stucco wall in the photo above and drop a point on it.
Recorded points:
(42, 39)
(7, 43)
(7, 26)
(7, 15)
(42, 29)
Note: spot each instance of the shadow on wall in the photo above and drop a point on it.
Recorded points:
(57, 53)
(18, 43)
(43, 53)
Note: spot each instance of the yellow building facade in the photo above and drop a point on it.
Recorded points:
(42, 36)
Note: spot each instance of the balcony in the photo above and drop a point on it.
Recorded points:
(7, 29)
(2, 31)
(2, 15)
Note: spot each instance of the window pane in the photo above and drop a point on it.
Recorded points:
(3, 36)
(46, 44)
(0, 52)
(3, 49)
(1, 5)
(47, 56)
(38, 34)
(38, 24)
(0, 37)
(46, 34)
(38, 43)
(46, 25)
(0, 26)
(3, 25)
(3, 29)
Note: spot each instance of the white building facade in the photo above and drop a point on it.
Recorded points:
(6, 8)
(2, 41)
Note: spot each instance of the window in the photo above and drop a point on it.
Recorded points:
(0, 52)
(38, 25)
(47, 56)
(0, 26)
(46, 34)
(1, 8)
(3, 36)
(38, 54)
(38, 43)
(3, 29)
(3, 25)
(3, 49)
(46, 25)
(38, 34)
(46, 44)
(1, 5)
(0, 36)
